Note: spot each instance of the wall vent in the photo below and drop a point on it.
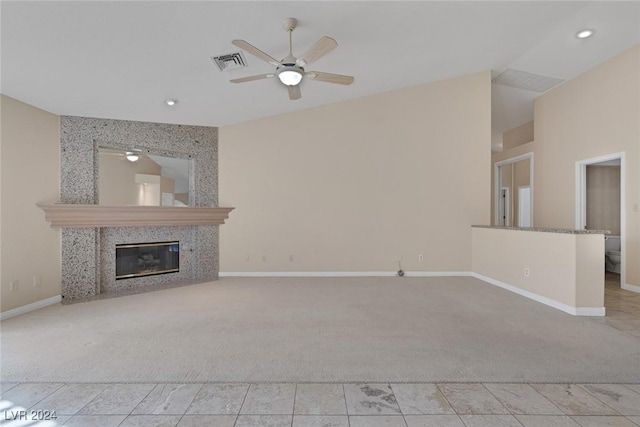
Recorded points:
(524, 80)
(230, 61)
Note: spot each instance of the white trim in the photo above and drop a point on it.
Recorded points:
(590, 311)
(342, 273)
(632, 288)
(576, 311)
(30, 307)
(581, 199)
(497, 181)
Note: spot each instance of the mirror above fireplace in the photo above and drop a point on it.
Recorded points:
(138, 178)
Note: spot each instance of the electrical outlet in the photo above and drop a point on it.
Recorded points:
(526, 272)
(264, 258)
(13, 286)
(248, 258)
(420, 257)
(290, 258)
(36, 281)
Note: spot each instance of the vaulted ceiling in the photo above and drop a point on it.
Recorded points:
(122, 59)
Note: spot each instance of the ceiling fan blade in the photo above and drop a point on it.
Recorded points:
(252, 78)
(330, 78)
(249, 48)
(294, 92)
(317, 51)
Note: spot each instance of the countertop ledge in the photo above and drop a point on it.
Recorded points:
(545, 230)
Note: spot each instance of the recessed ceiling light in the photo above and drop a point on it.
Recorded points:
(583, 34)
(171, 102)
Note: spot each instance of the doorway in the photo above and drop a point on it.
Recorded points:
(513, 191)
(600, 204)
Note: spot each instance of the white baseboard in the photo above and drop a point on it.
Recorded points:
(340, 273)
(632, 288)
(576, 311)
(30, 307)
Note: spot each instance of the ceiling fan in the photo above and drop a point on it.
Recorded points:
(290, 70)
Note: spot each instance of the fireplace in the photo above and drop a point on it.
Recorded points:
(147, 259)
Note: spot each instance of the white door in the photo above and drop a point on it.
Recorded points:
(524, 206)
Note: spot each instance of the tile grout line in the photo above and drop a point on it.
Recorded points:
(510, 412)
(293, 410)
(246, 393)
(189, 405)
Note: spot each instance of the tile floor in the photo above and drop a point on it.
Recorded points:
(323, 405)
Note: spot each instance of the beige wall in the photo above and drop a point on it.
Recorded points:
(517, 136)
(30, 173)
(595, 114)
(565, 268)
(603, 198)
(356, 185)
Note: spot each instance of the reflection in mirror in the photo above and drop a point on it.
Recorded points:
(514, 198)
(136, 178)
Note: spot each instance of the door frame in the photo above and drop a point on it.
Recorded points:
(581, 207)
(497, 175)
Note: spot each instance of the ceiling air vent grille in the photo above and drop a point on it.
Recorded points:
(230, 61)
(524, 80)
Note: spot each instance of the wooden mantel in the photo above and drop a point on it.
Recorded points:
(76, 215)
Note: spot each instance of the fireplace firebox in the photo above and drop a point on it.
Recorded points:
(147, 259)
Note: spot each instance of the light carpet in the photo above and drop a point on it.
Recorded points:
(450, 329)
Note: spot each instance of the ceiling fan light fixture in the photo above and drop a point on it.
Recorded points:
(132, 157)
(290, 76)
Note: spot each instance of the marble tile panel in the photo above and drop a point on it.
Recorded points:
(168, 399)
(269, 399)
(6, 387)
(490, 421)
(421, 399)
(151, 421)
(616, 396)
(603, 421)
(218, 399)
(95, 421)
(433, 421)
(27, 395)
(547, 421)
(117, 399)
(70, 398)
(573, 400)
(320, 421)
(635, 420)
(320, 399)
(472, 399)
(634, 387)
(370, 399)
(264, 421)
(377, 421)
(207, 421)
(522, 399)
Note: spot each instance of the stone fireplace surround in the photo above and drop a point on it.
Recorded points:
(88, 254)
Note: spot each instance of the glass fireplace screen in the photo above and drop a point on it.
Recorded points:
(146, 259)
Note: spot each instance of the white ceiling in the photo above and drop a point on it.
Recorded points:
(122, 59)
